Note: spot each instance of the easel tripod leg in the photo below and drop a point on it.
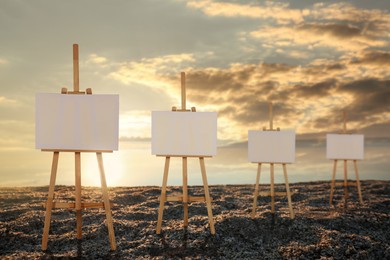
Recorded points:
(332, 183)
(345, 184)
(272, 190)
(292, 216)
(358, 182)
(185, 192)
(106, 201)
(50, 198)
(256, 194)
(207, 195)
(163, 195)
(78, 193)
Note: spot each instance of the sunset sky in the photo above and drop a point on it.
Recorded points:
(312, 59)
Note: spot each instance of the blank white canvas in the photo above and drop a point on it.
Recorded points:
(344, 147)
(184, 133)
(76, 122)
(271, 146)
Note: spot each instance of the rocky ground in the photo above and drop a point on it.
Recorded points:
(318, 231)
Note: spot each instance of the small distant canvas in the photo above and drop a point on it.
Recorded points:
(76, 122)
(344, 147)
(271, 146)
(184, 133)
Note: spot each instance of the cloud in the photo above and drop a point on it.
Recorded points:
(3, 61)
(372, 57)
(240, 94)
(146, 70)
(307, 98)
(343, 37)
(271, 10)
(7, 101)
(135, 125)
(301, 33)
(94, 58)
(347, 12)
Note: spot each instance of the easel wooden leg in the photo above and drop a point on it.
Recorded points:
(272, 190)
(50, 198)
(345, 184)
(332, 183)
(163, 195)
(106, 201)
(185, 192)
(358, 182)
(256, 194)
(78, 194)
(207, 195)
(292, 216)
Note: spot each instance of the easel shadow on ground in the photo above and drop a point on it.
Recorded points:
(205, 247)
(233, 232)
(81, 252)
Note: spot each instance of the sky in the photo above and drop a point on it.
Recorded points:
(312, 59)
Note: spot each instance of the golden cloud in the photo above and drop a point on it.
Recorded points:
(339, 36)
(3, 61)
(306, 98)
(94, 58)
(278, 11)
(147, 70)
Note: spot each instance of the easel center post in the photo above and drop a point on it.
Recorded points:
(76, 68)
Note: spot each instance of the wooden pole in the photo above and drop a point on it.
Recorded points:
(78, 193)
(163, 195)
(292, 216)
(344, 122)
(256, 194)
(333, 182)
(345, 184)
(272, 189)
(76, 68)
(106, 201)
(358, 182)
(183, 91)
(270, 116)
(185, 192)
(49, 204)
(207, 195)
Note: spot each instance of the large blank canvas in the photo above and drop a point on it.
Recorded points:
(345, 147)
(184, 133)
(271, 146)
(76, 122)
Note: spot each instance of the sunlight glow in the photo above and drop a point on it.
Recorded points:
(113, 169)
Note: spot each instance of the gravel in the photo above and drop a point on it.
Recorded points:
(318, 231)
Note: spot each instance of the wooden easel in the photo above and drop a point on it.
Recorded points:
(272, 193)
(79, 205)
(345, 183)
(185, 199)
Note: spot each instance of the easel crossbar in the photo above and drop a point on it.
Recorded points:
(276, 193)
(185, 156)
(72, 205)
(77, 151)
(354, 184)
(180, 198)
